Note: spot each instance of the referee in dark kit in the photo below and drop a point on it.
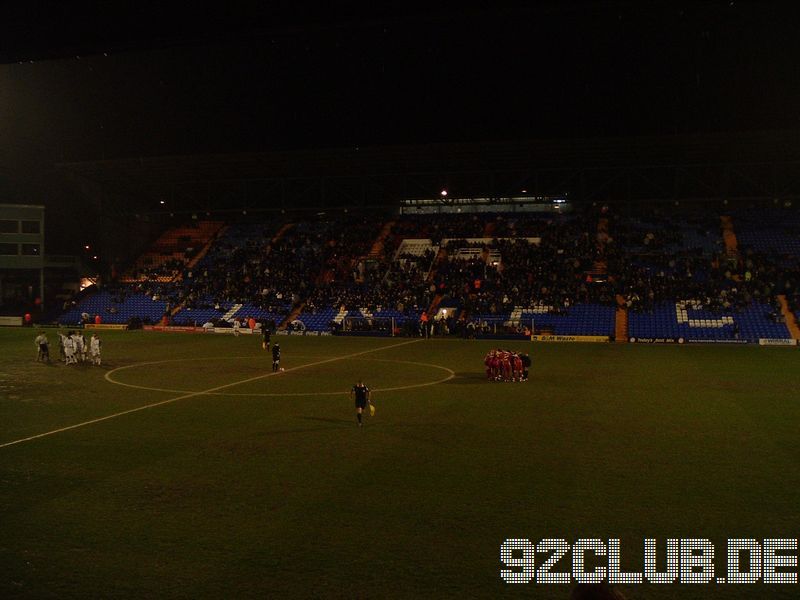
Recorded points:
(361, 393)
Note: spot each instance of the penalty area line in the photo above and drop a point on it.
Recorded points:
(200, 393)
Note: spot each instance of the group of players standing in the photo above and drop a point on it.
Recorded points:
(507, 365)
(72, 348)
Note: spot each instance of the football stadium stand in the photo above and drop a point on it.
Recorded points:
(678, 276)
(175, 249)
(775, 233)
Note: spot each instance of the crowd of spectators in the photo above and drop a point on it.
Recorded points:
(348, 239)
(354, 281)
(271, 276)
(402, 288)
(552, 261)
(161, 270)
(645, 260)
(555, 271)
(437, 227)
(687, 260)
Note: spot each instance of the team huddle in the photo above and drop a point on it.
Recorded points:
(72, 348)
(506, 365)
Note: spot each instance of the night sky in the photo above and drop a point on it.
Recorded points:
(154, 82)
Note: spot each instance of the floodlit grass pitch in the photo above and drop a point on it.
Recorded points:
(240, 493)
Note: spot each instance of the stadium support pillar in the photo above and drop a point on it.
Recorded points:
(281, 232)
(292, 316)
(41, 289)
(203, 251)
(791, 321)
(434, 304)
(729, 236)
(621, 321)
(377, 246)
(41, 268)
(440, 258)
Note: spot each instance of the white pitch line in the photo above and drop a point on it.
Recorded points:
(108, 377)
(193, 394)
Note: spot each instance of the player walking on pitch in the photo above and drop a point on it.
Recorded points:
(276, 358)
(361, 393)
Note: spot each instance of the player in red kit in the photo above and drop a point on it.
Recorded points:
(496, 365)
(488, 363)
(506, 365)
(517, 367)
(505, 359)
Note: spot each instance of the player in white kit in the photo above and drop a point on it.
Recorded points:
(69, 349)
(78, 347)
(94, 349)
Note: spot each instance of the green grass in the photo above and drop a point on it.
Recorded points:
(246, 494)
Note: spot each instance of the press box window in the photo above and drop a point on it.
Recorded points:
(8, 226)
(30, 249)
(30, 226)
(8, 249)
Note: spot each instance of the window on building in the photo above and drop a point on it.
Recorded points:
(30, 249)
(8, 249)
(31, 227)
(9, 226)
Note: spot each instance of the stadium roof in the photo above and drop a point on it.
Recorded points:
(468, 165)
(150, 81)
(748, 147)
